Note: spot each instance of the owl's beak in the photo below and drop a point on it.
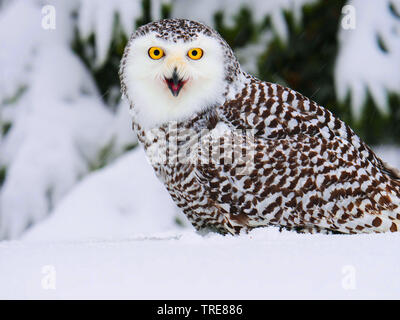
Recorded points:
(175, 83)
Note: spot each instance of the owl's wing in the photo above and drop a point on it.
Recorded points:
(276, 112)
(298, 182)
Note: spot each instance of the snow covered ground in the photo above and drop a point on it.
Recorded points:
(114, 237)
(266, 264)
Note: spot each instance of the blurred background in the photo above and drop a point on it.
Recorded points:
(70, 166)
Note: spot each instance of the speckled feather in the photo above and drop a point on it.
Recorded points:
(309, 171)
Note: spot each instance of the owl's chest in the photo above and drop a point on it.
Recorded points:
(172, 155)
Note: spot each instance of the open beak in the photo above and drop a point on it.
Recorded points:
(175, 83)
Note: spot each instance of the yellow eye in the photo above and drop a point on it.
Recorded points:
(195, 53)
(156, 53)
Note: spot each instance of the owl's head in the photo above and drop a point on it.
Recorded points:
(174, 68)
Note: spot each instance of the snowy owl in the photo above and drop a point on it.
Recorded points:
(237, 153)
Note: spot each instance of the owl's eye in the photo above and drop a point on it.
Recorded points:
(195, 53)
(156, 53)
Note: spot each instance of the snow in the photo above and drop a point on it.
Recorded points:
(14, 66)
(98, 18)
(60, 124)
(200, 10)
(122, 199)
(361, 65)
(265, 264)
(23, 37)
(59, 127)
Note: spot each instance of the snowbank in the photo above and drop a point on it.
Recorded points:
(122, 199)
(266, 264)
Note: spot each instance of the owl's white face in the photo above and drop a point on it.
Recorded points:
(168, 80)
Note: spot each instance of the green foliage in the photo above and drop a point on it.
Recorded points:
(3, 173)
(10, 101)
(15, 97)
(104, 156)
(106, 75)
(5, 128)
(146, 18)
(242, 33)
(166, 10)
(306, 64)
(178, 221)
(378, 128)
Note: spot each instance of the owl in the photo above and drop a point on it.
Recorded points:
(237, 153)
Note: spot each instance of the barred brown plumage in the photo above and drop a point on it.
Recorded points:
(296, 165)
